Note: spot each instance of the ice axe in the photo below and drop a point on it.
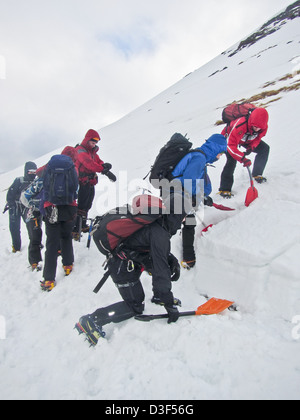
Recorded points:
(252, 193)
(213, 306)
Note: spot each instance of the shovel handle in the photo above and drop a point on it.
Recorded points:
(251, 177)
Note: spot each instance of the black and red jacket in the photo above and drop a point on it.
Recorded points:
(88, 162)
(240, 132)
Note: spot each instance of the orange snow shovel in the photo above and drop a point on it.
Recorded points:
(213, 306)
(252, 193)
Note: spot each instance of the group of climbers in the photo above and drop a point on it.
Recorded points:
(150, 246)
(28, 198)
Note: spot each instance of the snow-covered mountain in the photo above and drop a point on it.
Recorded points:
(251, 256)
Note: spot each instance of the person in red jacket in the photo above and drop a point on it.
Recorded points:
(247, 133)
(88, 164)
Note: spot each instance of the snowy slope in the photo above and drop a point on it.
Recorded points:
(250, 255)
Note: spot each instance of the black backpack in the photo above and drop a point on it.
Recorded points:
(169, 157)
(114, 227)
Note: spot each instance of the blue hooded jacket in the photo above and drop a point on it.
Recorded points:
(193, 165)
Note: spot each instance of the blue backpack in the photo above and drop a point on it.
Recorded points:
(60, 181)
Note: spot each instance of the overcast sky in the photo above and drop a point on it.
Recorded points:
(70, 65)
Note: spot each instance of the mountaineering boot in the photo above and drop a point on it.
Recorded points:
(36, 267)
(47, 285)
(158, 301)
(87, 326)
(14, 250)
(188, 264)
(226, 194)
(76, 236)
(260, 179)
(68, 269)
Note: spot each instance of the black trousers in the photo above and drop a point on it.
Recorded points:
(59, 237)
(86, 195)
(188, 236)
(127, 279)
(262, 155)
(34, 230)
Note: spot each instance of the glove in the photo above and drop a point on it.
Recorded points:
(174, 267)
(246, 162)
(248, 151)
(106, 167)
(208, 201)
(173, 313)
(111, 176)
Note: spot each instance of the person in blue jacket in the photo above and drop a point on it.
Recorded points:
(191, 171)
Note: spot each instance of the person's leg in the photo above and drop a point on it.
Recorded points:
(52, 247)
(131, 290)
(262, 155)
(35, 239)
(66, 243)
(227, 176)
(188, 236)
(15, 228)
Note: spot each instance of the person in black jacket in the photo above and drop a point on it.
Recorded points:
(150, 249)
(33, 220)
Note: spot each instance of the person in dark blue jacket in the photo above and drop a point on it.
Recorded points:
(191, 171)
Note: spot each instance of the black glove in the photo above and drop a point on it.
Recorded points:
(106, 167)
(208, 201)
(174, 267)
(111, 176)
(173, 313)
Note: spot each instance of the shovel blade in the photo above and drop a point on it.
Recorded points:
(221, 207)
(252, 194)
(213, 306)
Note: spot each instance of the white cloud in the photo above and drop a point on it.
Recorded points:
(73, 65)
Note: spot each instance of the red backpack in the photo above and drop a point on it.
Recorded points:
(234, 111)
(114, 227)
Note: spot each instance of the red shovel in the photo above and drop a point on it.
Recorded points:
(252, 193)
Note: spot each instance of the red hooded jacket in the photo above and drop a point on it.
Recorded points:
(88, 162)
(240, 132)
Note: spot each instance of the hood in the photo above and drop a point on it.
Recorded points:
(259, 118)
(213, 146)
(91, 134)
(27, 167)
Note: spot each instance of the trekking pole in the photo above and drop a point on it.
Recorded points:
(88, 244)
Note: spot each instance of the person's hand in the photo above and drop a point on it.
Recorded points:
(246, 162)
(111, 176)
(208, 201)
(106, 167)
